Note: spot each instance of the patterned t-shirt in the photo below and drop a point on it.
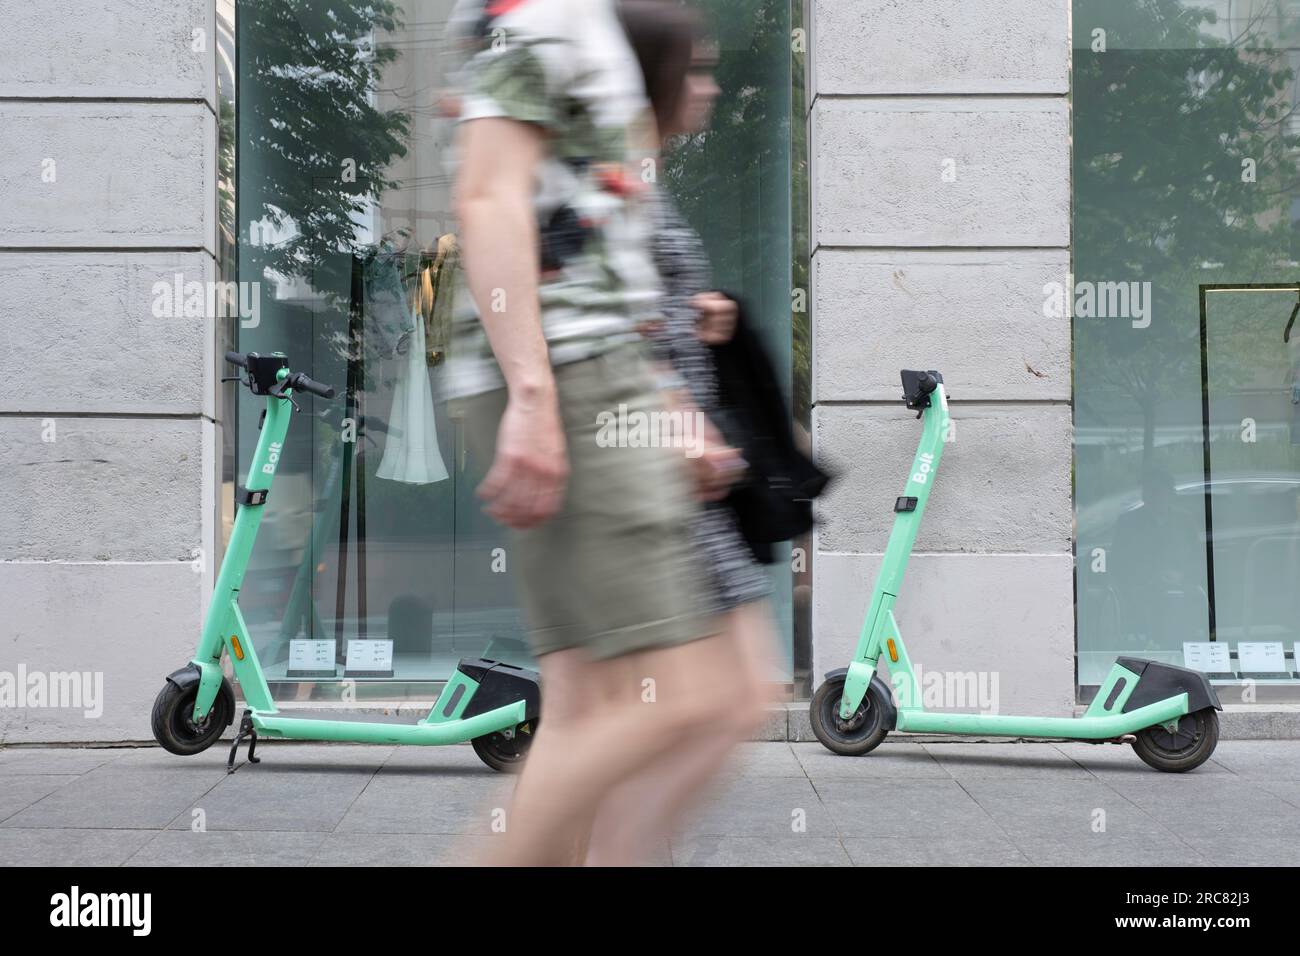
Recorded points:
(566, 66)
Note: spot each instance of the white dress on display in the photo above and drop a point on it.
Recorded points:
(411, 453)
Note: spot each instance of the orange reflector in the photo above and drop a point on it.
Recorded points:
(893, 651)
(239, 649)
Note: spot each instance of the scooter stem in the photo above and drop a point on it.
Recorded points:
(223, 614)
(908, 510)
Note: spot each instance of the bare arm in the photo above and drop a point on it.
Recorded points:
(494, 203)
(499, 248)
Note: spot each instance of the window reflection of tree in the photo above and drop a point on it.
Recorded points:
(307, 105)
(1164, 121)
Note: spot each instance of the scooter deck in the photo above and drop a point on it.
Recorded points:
(310, 714)
(365, 728)
(1077, 728)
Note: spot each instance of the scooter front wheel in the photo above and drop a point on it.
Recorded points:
(1184, 748)
(505, 754)
(858, 735)
(173, 722)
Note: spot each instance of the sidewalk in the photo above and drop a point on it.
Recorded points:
(908, 803)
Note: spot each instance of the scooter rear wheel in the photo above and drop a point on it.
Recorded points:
(1187, 747)
(173, 723)
(505, 754)
(858, 735)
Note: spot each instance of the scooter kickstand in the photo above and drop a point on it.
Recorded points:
(246, 729)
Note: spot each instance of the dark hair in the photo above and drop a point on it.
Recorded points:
(662, 34)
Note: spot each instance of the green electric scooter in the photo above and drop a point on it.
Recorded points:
(493, 705)
(1167, 713)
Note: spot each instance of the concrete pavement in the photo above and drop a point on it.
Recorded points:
(909, 803)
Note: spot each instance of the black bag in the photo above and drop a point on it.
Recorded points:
(773, 502)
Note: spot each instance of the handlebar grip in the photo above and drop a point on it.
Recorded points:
(237, 358)
(927, 383)
(301, 383)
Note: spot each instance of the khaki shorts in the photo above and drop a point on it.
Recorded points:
(612, 572)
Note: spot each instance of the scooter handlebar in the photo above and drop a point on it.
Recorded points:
(296, 380)
(301, 383)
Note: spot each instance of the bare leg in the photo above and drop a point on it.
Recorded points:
(570, 696)
(578, 758)
(643, 809)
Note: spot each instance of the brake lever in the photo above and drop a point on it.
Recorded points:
(278, 391)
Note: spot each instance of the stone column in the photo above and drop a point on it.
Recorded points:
(108, 421)
(940, 210)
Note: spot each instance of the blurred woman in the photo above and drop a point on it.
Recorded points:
(677, 63)
(553, 133)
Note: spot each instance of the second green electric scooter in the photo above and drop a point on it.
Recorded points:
(491, 704)
(1167, 713)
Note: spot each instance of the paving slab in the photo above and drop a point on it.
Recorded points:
(936, 849)
(414, 803)
(22, 790)
(922, 809)
(111, 797)
(888, 761)
(66, 760)
(769, 807)
(70, 846)
(1006, 761)
(228, 848)
(756, 851)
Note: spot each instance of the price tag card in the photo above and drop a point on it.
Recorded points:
(1261, 657)
(307, 655)
(370, 656)
(1208, 657)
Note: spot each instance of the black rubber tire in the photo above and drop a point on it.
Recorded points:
(861, 734)
(502, 754)
(1187, 749)
(174, 727)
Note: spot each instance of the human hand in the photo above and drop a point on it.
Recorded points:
(719, 465)
(716, 323)
(525, 485)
